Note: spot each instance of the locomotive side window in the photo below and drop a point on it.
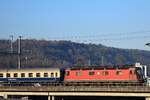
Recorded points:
(78, 73)
(91, 73)
(22, 74)
(30, 74)
(8, 75)
(119, 73)
(52, 74)
(15, 74)
(45, 74)
(105, 73)
(37, 74)
(67, 73)
(98, 73)
(1, 75)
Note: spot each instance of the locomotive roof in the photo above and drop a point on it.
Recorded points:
(102, 67)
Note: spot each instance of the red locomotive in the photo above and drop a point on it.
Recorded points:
(130, 73)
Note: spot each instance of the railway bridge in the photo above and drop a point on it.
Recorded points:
(60, 92)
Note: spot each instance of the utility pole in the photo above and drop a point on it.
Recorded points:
(11, 44)
(89, 62)
(102, 60)
(19, 52)
(11, 52)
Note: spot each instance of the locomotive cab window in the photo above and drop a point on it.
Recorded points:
(15, 74)
(45, 74)
(78, 73)
(8, 75)
(91, 73)
(105, 73)
(1, 75)
(37, 74)
(138, 72)
(22, 74)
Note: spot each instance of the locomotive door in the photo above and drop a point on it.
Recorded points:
(131, 74)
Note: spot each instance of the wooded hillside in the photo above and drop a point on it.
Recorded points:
(67, 54)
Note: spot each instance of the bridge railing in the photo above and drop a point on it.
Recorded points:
(77, 88)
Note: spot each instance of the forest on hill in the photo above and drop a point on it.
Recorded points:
(43, 53)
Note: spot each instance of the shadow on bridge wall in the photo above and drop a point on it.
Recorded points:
(100, 98)
(80, 98)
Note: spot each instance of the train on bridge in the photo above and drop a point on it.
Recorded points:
(135, 73)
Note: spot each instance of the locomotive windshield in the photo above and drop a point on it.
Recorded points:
(139, 73)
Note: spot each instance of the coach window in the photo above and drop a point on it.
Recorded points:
(45, 74)
(1, 75)
(22, 74)
(91, 73)
(119, 73)
(56, 74)
(37, 74)
(15, 75)
(30, 74)
(52, 74)
(8, 75)
(105, 73)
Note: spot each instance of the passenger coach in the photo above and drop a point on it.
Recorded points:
(31, 75)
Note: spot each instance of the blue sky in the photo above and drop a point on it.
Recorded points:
(116, 23)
